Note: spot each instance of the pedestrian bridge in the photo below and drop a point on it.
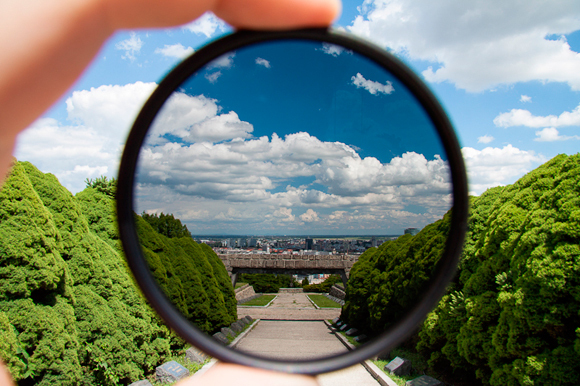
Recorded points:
(288, 264)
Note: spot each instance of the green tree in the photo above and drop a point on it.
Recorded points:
(69, 311)
(103, 185)
(166, 224)
(512, 317)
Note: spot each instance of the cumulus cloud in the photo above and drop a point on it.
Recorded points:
(224, 61)
(551, 134)
(478, 45)
(213, 77)
(309, 216)
(526, 99)
(263, 62)
(494, 166)
(333, 49)
(262, 177)
(175, 51)
(485, 139)
(519, 117)
(197, 119)
(284, 214)
(91, 144)
(371, 86)
(206, 25)
(131, 46)
(109, 109)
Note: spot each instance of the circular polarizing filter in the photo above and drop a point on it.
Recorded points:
(296, 153)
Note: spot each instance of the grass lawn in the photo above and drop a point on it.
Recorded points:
(398, 380)
(238, 285)
(261, 301)
(419, 365)
(324, 302)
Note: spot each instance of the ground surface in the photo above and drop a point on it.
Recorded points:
(289, 306)
(281, 335)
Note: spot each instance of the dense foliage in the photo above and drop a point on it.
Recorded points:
(166, 225)
(103, 184)
(266, 282)
(70, 313)
(325, 286)
(387, 281)
(512, 314)
(185, 270)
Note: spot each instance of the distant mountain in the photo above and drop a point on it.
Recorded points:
(512, 314)
(70, 312)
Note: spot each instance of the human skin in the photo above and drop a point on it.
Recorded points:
(46, 44)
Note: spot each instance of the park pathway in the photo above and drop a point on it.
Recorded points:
(289, 306)
(280, 334)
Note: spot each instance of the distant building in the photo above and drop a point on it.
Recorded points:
(309, 244)
(411, 231)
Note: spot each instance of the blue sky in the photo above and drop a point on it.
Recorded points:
(507, 72)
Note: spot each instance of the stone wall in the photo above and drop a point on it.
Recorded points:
(244, 292)
(337, 292)
(290, 290)
(311, 263)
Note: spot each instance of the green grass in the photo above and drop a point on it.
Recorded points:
(324, 302)
(261, 301)
(238, 285)
(343, 333)
(398, 380)
(232, 338)
(419, 365)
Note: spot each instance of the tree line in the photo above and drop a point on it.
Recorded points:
(511, 316)
(70, 312)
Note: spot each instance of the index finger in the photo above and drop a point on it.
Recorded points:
(251, 14)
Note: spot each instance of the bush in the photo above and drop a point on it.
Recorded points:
(323, 287)
(266, 282)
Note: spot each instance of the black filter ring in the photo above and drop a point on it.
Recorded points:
(442, 275)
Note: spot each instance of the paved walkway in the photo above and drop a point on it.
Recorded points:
(284, 336)
(289, 306)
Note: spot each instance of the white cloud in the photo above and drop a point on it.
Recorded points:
(333, 49)
(91, 145)
(485, 139)
(284, 214)
(175, 51)
(253, 171)
(478, 45)
(519, 117)
(309, 216)
(197, 119)
(131, 46)
(526, 99)
(551, 134)
(224, 61)
(213, 77)
(371, 86)
(494, 166)
(206, 25)
(263, 62)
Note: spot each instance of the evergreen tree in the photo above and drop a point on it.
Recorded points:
(512, 314)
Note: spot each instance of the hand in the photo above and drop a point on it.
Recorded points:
(228, 374)
(46, 44)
